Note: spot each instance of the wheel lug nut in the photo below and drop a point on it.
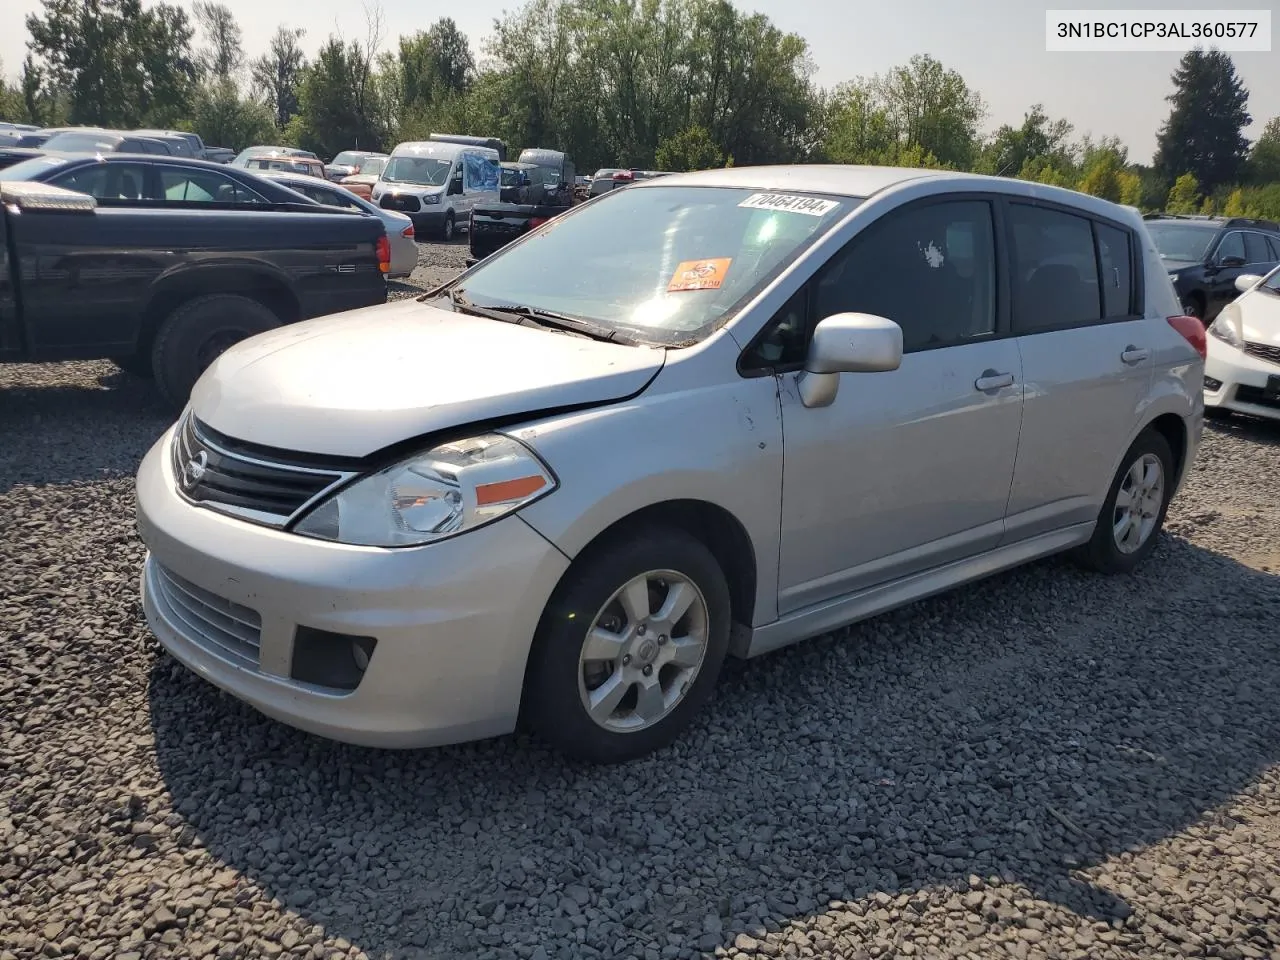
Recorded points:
(648, 670)
(640, 629)
(662, 638)
(626, 659)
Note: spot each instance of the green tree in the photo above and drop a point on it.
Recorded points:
(690, 149)
(1130, 188)
(1203, 135)
(1043, 170)
(223, 118)
(277, 74)
(223, 54)
(334, 103)
(1102, 175)
(1011, 147)
(1234, 207)
(434, 65)
(931, 106)
(1185, 195)
(119, 63)
(1264, 159)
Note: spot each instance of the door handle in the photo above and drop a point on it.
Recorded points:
(993, 380)
(1134, 355)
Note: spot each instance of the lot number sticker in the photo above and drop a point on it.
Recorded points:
(699, 274)
(791, 203)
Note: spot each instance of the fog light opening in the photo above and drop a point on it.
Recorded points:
(1212, 385)
(360, 654)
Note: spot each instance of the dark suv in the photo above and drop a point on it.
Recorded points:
(1204, 255)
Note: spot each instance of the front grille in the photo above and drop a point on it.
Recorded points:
(404, 204)
(1247, 394)
(219, 625)
(217, 472)
(1263, 351)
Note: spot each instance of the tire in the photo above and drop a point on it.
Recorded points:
(196, 333)
(446, 232)
(558, 681)
(136, 364)
(1194, 307)
(1103, 553)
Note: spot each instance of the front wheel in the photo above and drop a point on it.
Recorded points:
(446, 232)
(629, 647)
(1135, 508)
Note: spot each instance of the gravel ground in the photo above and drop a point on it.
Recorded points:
(1048, 765)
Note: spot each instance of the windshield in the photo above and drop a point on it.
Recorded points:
(688, 256)
(1181, 241)
(372, 166)
(81, 142)
(425, 171)
(31, 169)
(347, 158)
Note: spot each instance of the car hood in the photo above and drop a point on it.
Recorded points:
(354, 383)
(1259, 314)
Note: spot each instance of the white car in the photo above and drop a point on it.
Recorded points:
(1242, 369)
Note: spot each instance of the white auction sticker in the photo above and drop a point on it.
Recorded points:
(790, 202)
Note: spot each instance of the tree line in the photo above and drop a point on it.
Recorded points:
(668, 84)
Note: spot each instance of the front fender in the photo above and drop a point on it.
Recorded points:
(721, 444)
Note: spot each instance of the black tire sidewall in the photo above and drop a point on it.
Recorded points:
(449, 228)
(176, 353)
(1102, 553)
(552, 705)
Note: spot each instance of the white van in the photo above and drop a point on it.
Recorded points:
(437, 184)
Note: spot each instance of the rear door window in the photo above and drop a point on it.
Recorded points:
(1232, 245)
(1055, 270)
(107, 181)
(1255, 248)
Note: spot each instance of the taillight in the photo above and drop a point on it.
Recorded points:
(535, 222)
(1193, 330)
(624, 175)
(407, 232)
(384, 254)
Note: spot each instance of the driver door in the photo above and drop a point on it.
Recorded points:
(910, 469)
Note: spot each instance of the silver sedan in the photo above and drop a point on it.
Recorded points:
(404, 248)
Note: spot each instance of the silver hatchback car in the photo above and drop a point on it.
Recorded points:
(561, 488)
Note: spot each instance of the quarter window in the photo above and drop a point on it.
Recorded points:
(1055, 271)
(1117, 271)
(930, 269)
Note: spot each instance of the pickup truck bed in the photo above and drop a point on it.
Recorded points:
(163, 291)
(494, 225)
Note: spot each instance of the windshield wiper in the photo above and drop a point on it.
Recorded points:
(532, 316)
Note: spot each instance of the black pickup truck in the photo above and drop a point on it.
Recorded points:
(533, 190)
(163, 291)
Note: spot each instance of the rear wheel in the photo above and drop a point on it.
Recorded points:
(197, 333)
(1193, 306)
(1134, 511)
(629, 647)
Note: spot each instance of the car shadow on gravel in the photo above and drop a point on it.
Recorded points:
(1252, 429)
(1032, 728)
(103, 420)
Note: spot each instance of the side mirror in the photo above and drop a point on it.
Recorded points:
(1247, 281)
(847, 343)
(455, 186)
(1232, 262)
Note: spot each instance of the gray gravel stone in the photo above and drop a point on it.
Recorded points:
(1046, 764)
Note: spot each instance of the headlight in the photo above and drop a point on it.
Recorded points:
(448, 490)
(428, 198)
(1226, 329)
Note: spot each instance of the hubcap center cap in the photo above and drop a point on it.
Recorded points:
(646, 651)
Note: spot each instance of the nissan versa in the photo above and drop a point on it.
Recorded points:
(781, 400)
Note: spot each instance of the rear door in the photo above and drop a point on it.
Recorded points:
(1086, 355)
(1257, 251)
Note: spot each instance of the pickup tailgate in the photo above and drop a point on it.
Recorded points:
(494, 225)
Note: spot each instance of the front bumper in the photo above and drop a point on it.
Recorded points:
(452, 621)
(1234, 380)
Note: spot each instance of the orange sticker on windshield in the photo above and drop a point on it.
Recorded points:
(699, 275)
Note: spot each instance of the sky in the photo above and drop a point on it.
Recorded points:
(996, 45)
